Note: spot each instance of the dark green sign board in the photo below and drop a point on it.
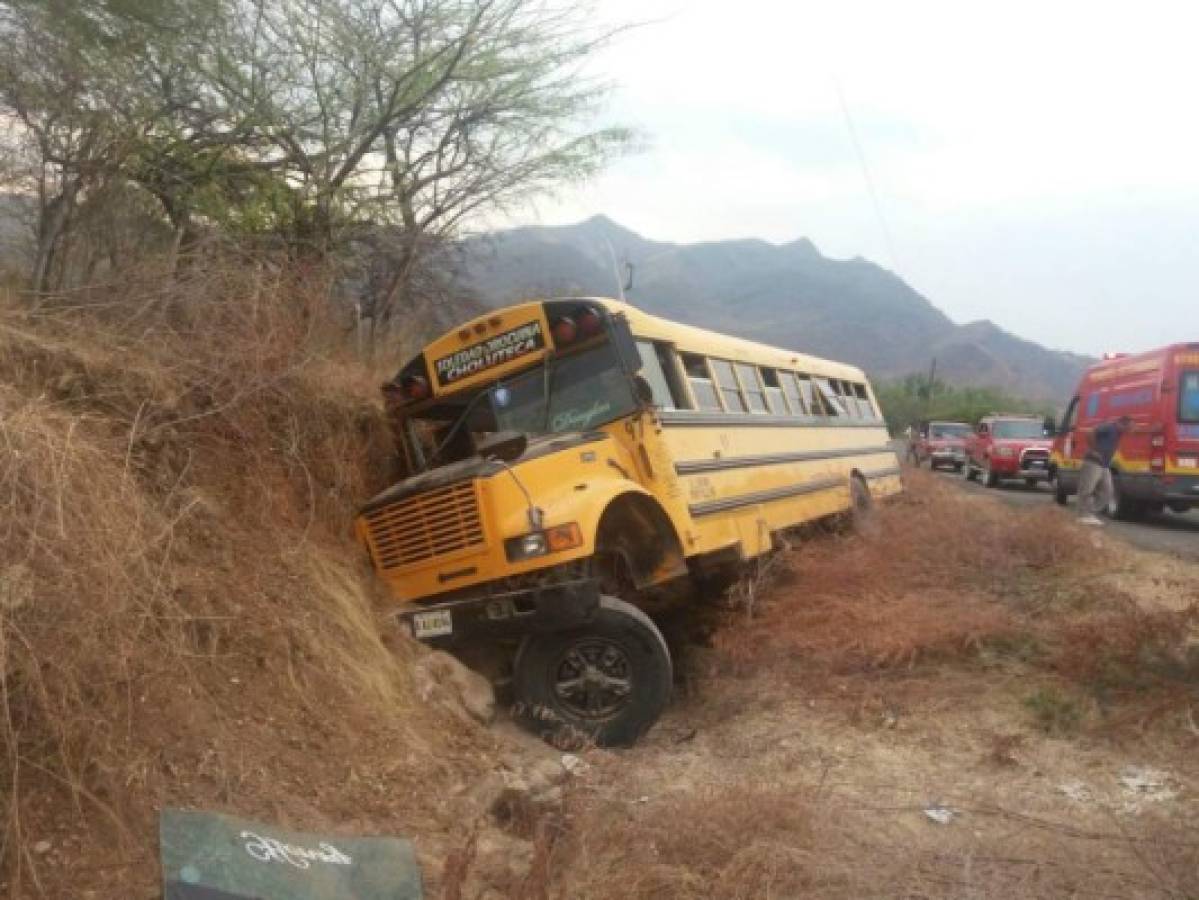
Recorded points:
(209, 856)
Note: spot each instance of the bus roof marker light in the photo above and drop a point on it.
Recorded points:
(589, 322)
(565, 331)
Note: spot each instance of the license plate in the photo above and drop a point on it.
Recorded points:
(1188, 462)
(432, 624)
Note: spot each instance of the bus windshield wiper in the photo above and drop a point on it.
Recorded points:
(457, 425)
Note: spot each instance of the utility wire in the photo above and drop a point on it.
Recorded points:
(866, 177)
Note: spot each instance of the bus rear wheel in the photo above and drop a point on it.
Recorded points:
(606, 682)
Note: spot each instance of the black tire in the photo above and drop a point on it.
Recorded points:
(1060, 495)
(607, 681)
(1122, 507)
(990, 479)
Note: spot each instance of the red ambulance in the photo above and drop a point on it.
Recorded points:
(1157, 465)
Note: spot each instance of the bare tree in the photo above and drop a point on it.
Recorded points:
(418, 114)
(309, 120)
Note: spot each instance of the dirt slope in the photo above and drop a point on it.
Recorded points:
(184, 619)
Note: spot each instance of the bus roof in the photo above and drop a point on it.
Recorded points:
(692, 339)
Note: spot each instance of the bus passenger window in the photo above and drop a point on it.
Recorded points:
(844, 391)
(810, 397)
(652, 371)
(727, 382)
(832, 403)
(700, 382)
(864, 404)
(754, 393)
(791, 390)
(774, 392)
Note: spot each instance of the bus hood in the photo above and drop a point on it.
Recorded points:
(478, 467)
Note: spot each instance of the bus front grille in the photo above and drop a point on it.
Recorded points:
(429, 525)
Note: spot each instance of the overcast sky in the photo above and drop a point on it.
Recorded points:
(1036, 164)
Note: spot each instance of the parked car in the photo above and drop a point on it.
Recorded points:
(941, 444)
(1157, 465)
(1008, 445)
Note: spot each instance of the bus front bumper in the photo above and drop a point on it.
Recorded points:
(496, 615)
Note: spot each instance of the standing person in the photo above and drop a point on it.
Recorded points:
(1095, 480)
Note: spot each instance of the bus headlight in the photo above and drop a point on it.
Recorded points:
(540, 543)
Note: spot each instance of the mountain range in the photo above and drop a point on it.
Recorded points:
(788, 295)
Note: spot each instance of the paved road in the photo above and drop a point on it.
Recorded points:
(1166, 531)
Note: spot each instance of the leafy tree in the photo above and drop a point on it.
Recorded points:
(912, 399)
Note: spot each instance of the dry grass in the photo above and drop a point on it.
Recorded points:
(747, 839)
(183, 618)
(944, 594)
(940, 576)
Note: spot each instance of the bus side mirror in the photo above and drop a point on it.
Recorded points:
(506, 446)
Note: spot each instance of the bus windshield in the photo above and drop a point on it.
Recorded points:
(1018, 429)
(585, 390)
(1188, 397)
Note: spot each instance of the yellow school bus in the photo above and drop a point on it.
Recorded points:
(572, 467)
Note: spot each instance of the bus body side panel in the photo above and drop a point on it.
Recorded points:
(747, 476)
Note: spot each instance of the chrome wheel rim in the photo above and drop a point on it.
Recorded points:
(593, 678)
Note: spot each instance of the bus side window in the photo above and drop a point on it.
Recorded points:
(730, 393)
(845, 394)
(752, 387)
(653, 372)
(700, 382)
(775, 399)
(864, 405)
(791, 390)
(831, 401)
(811, 396)
(1093, 406)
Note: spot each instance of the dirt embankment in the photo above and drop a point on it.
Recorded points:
(184, 619)
(960, 700)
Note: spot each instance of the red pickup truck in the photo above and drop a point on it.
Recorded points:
(940, 444)
(1008, 446)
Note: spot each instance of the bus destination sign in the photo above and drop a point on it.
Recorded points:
(493, 351)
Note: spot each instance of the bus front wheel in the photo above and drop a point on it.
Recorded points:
(606, 682)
